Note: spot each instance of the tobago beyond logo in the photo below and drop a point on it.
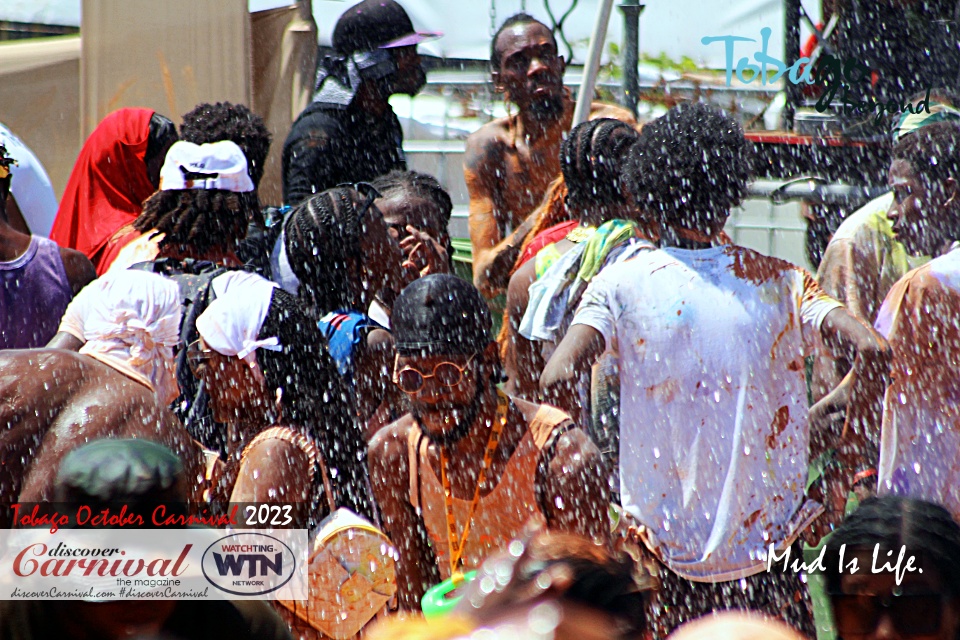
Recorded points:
(248, 564)
(832, 74)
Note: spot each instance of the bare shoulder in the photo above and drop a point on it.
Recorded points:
(486, 141)
(388, 447)
(606, 110)
(80, 271)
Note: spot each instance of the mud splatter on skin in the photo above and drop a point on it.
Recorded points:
(748, 265)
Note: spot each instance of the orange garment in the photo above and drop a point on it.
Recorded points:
(502, 513)
(107, 186)
(116, 243)
(920, 434)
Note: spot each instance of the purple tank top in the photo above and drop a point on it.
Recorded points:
(34, 293)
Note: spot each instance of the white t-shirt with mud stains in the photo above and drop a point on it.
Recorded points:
(714, 432)
(920, 437)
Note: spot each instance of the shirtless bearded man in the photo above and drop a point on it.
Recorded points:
(510, 162)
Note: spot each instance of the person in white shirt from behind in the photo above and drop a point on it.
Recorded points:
(714, 415)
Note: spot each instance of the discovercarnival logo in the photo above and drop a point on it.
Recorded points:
(171, 564)
(832, 74)
(248, 564)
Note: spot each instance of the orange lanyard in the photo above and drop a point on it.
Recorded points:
(456, 543)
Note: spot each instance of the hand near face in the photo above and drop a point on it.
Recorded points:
(424, 255)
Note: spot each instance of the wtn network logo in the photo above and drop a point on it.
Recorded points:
(847, 77)
(248, 564)
(233, 564)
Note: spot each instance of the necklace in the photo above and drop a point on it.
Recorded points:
(455, 542)
(580, 234)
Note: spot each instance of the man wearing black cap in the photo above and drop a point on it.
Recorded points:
(349, 132)
(469, 467)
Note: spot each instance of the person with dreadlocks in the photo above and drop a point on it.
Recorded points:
(189, 230)
(590, 159)
(337, 254)
(510, 162)
(459, 477)
(714, 428)
(236, 122)
(201, 210)
(873, 595)
(208, 123)
(118, 168)
(39, 278)
(920, 432)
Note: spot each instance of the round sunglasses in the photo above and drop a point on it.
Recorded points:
(411, 380)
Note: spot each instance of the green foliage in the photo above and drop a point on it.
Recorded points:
(663, 62)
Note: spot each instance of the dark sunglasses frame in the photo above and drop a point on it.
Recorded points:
(197, 357)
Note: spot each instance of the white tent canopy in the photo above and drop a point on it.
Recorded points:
(674, 27)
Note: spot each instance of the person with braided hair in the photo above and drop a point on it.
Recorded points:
(510, 162)
(337, 255)
(868, 598)
(590, 160)
(417, 211)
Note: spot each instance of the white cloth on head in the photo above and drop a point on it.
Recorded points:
(222, 165)
(130, 320)
(231, 323)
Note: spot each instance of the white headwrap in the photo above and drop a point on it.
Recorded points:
(231, 323)
(131, 321)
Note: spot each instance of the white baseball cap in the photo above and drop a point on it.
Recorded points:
(216, 165)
